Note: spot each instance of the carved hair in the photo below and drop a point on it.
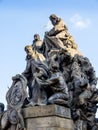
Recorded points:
(34, 54)
(53, 16)
(37, 36)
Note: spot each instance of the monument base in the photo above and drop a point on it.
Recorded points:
(50, 117)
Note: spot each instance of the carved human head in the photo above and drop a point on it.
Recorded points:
(36, 37)
(28, 48)
(54, 19)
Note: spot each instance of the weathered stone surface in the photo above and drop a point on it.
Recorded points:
(49, 128)
(52, 121)
(51, 117)
(81, 125)
(49, 110)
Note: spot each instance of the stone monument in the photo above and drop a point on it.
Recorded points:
(62, 93)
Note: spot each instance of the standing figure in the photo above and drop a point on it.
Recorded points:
(37, 43)
(36, 69)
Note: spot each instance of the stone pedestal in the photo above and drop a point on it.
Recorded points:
(50, 117)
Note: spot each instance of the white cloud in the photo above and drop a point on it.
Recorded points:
(80, 22)
(48, 26)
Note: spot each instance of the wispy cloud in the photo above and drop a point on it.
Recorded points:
(48, 26)
(80, 22)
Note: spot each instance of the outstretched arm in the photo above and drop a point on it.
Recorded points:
(48, 82)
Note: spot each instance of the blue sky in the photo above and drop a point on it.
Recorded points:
(21, 19)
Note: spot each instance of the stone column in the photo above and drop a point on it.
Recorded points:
(50, 117)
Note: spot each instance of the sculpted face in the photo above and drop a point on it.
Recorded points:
(54, 19)
(28, 49)
(36, 37)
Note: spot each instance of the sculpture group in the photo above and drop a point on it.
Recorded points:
(56, 73)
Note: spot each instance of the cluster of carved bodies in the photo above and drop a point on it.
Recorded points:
(56, 73)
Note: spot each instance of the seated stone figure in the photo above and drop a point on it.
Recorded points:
(37, 43)
(60, 29)
(58, 37)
